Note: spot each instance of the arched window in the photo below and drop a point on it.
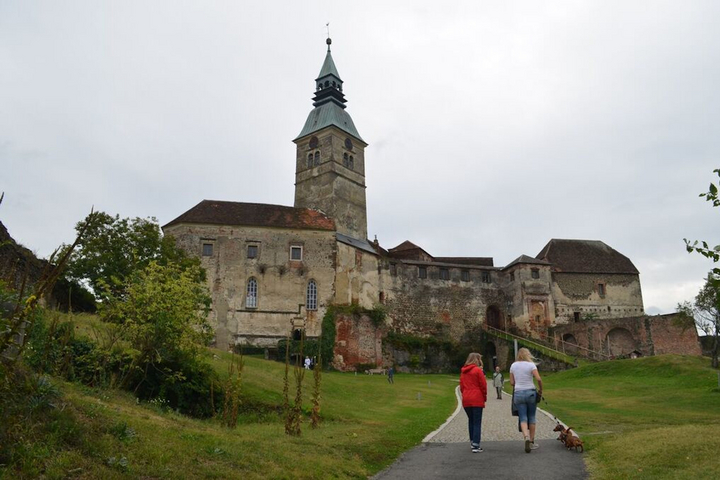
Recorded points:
(346, 160)
(310, 160)
(327, 84)
(317, 158)
(252, 294)
(311, 300)
(351, 164)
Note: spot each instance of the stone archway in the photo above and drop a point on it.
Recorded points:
(620, 342)
(570, 343)
(493, 317)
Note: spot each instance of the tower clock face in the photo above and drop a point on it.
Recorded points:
(348, 144)
(313, 142)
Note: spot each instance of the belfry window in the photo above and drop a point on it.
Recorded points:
(252, 294)
(351, 163)
(317, 158)
(311, 297)
(346, 160)
(310, 160)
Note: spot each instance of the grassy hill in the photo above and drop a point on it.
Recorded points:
(93, 433)
(654, 417)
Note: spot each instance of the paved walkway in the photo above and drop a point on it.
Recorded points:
(445, 454)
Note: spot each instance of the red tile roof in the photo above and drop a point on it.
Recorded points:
(216, 212)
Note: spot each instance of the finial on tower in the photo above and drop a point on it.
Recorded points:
(329, 40)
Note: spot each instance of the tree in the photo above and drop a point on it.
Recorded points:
(163, 316)
(706, 312)
(702, 247)
(114, 248)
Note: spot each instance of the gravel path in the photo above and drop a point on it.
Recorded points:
(497, 424)
(445, 454)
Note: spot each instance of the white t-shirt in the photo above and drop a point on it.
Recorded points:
(523, 375)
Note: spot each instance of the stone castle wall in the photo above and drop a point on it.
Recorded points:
(282, 282)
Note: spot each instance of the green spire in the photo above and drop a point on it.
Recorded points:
(329, 101)
(328, 67)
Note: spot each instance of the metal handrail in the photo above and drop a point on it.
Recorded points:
(553, 343)
(526, 340)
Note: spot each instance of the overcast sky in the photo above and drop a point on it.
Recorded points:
(493, 126)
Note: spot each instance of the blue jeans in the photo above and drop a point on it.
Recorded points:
(474, 424)
(526, 404)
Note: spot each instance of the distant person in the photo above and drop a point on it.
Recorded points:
(498, 382)
(391, 374)
(307, 363)
(473, 388)
(525, 395)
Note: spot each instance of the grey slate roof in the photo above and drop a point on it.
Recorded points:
(357, 243)
(477, 261)
(527, 259)
(585, 256)
(329, 114)
(216, 212)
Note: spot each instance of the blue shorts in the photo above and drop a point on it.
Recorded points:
(526, 404)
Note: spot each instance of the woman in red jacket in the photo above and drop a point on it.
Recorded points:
(473, 388)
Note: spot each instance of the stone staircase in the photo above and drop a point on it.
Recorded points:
(549, 347)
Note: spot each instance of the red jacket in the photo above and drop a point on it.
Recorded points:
(473, 386)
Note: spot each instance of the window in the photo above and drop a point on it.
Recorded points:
(444, 274)
(317, 158)
(252, 251)
(486, 277)
(311, 299)
(512, 276)
(422, 272)
(207, 249)
(296, 253)
(393, 269)
(252, 294)
(535, 273)
(601, 289)
(465, 275)
(351, 163)
(310, 160)
(576, 316)
(346, 160)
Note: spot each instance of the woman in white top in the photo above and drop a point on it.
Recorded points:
(526, 396)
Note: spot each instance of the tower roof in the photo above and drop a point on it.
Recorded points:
(329, 102)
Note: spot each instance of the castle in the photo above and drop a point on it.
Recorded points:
(274, 269)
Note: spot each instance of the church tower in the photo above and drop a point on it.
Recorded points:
(330, 168)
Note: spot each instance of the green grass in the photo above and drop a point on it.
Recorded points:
(367, 423)
(654, 417)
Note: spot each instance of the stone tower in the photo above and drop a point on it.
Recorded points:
(330, 164)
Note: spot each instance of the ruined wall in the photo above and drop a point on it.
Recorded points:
(357, 340)
(357, 278)
(282, 283)
(533, 307)
(618, 337)
(580, 293)
(434, 306)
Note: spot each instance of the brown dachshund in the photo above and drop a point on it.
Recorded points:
(563, 432)
(571, 441)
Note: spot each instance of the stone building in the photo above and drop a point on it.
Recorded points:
(275, 269)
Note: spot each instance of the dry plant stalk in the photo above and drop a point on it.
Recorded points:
(286, 381)
(232, 390)
(317, 377)
(294, 416)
